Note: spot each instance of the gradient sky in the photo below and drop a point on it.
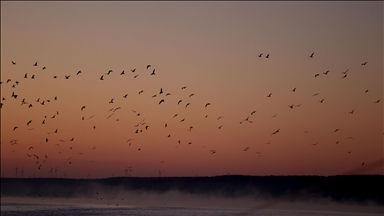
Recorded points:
(212, 48)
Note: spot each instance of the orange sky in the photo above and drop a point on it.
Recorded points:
(212, 48)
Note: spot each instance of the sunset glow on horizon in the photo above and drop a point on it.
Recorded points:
(307, 121)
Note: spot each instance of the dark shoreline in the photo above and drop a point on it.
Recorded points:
(360, 189)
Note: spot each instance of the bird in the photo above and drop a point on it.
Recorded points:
(267, 56)
(253, 112)
(13, 62)
(179, 102)
(321, 101)
(344, 76)
(14, 128)
(377, 101)
(351, 112)
(191, 95)
(111, 101)
(220, 117)
(175, 115)
(78, 72)
(162, 100)
(291, 106)
(366, 91)
(276, 131)
(125, 96)
(269, 95)
(153, 72)
(345, 72)
(294, 89)
(25, 76)
(260, 55)
(207, 104)
(29, 122)
(364, 63)
(186, 105)
(184, 87)
(67, 77)
(336, 130)
(122, 73)
(110, 71)
(246, 149)
(316, 75)
(311, 56)
(102, 77)
(133, 70)
(161, 91)
(326, 72)
(82, 108)
(136, 76)
(362, 164)
(220, 126)
(35, 64)
(141, 91)
(148, 66)
(44, 68)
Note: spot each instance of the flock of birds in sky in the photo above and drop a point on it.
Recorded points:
(140, 127)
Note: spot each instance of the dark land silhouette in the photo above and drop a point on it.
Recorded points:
(359, 189)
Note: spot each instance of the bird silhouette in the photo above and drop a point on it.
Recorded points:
(316, 75)
(35, 64)
(207, 104)
(326, 72)
(125, 96)
(294, 89)
(291, 106)
(44, 68)
(122, 73)
(110, 71)
(82, 108)
(161, 101)
(191, 95)
(364, 63)
(269, 95)
(25, 76)
(344, 76)
(184, 87)
(133, 70)
(148, 66)
(179, 102)
(78, 72)
(13, 62)
(67, 77)
(29, 122)
(136, 76)
(111, 101)
(102, 77)
(153, 72)
(321, 101)
(14, 128)
(253, 112)
(311, 56)
(260, 55)
(366, 91)
(377, 101)
(267, 56)
(276, 131)
(351, 112)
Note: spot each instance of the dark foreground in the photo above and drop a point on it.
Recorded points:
(352, 189)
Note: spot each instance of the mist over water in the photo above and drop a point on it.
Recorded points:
(231, 195)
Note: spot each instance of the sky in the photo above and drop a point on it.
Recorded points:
(314, 122)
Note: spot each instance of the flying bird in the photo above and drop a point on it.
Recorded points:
(316, 75)
(102, 77)
(153, 72)
(13, 62)
(267, 56)
(294, 89)
(326, 72)
(364, 63)
(79, 72)
(111, 101)
(29, 122)
(133, 70)
(122, 73)
(311, 56)
(161, 101)
(179, 102)
(207, 104)
(269, 95)
(82, 108)
(276, 131)
(260, 55)
(125, 96)
(377, 101)
(35, 64)
(184, 87)
(148, 66)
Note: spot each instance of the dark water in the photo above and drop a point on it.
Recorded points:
(39, 209)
